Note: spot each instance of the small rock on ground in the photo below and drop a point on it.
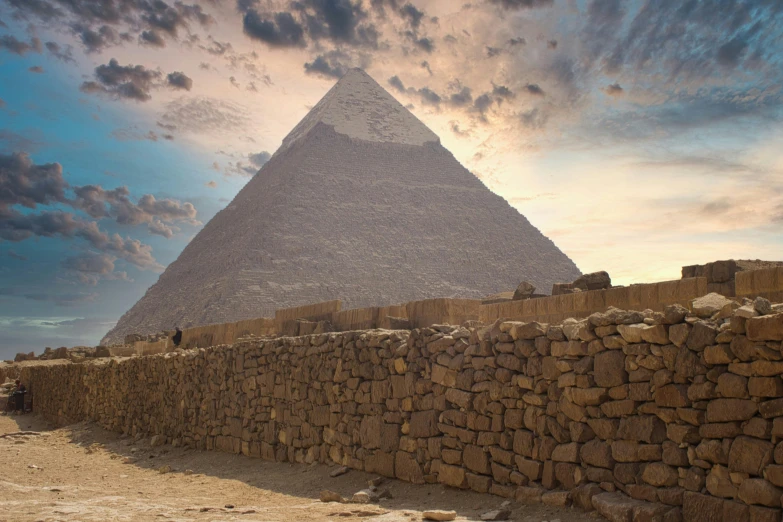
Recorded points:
(342, 470)
(437, 514)
(331, 496)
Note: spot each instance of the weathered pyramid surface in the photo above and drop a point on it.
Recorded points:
(360, 203)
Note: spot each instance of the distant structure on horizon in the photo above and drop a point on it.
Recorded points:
(360, 203)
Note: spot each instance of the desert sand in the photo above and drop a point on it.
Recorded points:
(83, 472)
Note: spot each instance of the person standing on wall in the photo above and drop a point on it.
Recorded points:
(177, 336)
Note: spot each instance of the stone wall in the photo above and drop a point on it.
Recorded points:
(721, 275)
(767, 282)
(681, 414)
(653, 296)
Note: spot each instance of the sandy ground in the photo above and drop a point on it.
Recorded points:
(82, 472)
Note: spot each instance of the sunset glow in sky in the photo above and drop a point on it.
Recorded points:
(639, 135)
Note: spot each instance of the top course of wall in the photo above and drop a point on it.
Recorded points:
(766, 282)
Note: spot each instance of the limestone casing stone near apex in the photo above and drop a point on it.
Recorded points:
(361, 203)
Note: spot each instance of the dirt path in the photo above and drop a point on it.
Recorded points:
(85, 473)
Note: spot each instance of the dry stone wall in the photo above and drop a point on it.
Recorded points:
(642, 415)
(766, 282)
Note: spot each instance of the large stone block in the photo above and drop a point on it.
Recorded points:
(701, 508)
(659, 474)
(765, 328)
(672, 396)
(381, 463)
(750, 455)
(597, 453)
(424, 424)
(615, 507)
(701, 335)
(407, 469)
(760, 492)
(647, 428)
(566, 452)
(452, 476)
(609, 369)
(726, 410)
(765, 386)
(532, 469)
(476, 459)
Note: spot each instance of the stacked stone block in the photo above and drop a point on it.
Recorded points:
(641, 415)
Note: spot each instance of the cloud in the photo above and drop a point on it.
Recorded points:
(534, 89)
(11, 44)
(201, 114)
(132, 82)
(501, 91)
(62, 54)
(340, 22)
(210, 184)
(461, 98)
(13, 254)
(729, 54)
(483, 102)
(413, 15)
(159, 228)
(15, 226)
(36, 69)
(152, 38)
(718, 36)
(493, 51)
(66, 299)
(256, 161)
(116, 204)
(680, 114)
(131, 250)
(91, 267)
(94, 21)
(25, 184)
(327, 66)
(614, 89)
(95, 41)
(534, 119)
(131, 134)
(455, 128)
(522, 4)
(259, 159)
(279, 30)
(424, 43)
(395, 82)
(2, 103)
(178, 80)
(428, 96)
(337, 20)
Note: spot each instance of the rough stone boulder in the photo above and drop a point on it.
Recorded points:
(710, 304)
(594, 281)
(524, 291)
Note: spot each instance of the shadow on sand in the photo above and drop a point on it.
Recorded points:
(296, 480)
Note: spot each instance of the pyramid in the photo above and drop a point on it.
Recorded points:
(360, 203)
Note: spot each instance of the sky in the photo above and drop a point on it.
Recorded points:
(639, 135)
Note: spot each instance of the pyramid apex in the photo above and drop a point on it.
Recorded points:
(354, 73)
(358, 107)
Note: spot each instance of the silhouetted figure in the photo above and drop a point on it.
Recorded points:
(18, 396)
(177, 337)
